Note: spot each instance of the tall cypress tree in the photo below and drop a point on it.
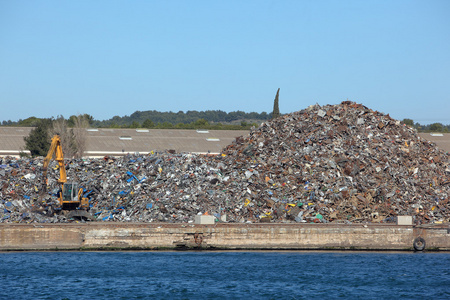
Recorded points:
(276, 109)
(38, 141)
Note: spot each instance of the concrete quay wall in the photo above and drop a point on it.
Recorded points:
(154, 236)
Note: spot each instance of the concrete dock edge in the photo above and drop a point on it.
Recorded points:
(221, 236)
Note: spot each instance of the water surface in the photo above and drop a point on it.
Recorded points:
(224, 275)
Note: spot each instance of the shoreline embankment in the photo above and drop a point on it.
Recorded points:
(223, 236)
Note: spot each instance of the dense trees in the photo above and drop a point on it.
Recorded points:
(434, 127)
(146, 118)
(73, 140)
(37, 142)
(216, 119)
(29, 122)
(152, 118)
(437, 127)
(74, 120)
(408, 122)
(148, 124)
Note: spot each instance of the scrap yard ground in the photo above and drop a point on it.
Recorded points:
(349, 170)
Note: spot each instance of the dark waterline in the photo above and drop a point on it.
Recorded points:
(224, 275)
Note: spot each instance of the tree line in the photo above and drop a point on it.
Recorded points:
(155, 119)
(217, 120)
(434, 127)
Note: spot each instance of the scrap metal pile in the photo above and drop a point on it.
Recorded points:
(335, 163)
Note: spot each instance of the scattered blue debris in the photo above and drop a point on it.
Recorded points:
(108, 217)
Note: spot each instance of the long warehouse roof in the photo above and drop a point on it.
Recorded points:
(109, 141)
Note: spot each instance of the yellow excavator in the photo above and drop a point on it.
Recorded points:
(71, 195)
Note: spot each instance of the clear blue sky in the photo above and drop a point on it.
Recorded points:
(108, 58)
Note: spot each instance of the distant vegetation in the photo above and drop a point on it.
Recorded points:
(435, 127)
(211, 119)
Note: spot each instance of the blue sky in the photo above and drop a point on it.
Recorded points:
(109, 58)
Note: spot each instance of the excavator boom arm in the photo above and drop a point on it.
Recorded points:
(56, 149)
(70, 195)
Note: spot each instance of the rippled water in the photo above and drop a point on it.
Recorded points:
(224, 275)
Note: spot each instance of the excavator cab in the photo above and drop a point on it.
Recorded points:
(70, 192)
(71, 196)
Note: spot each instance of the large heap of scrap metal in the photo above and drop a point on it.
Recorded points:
(335, 163)
(344, 163)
